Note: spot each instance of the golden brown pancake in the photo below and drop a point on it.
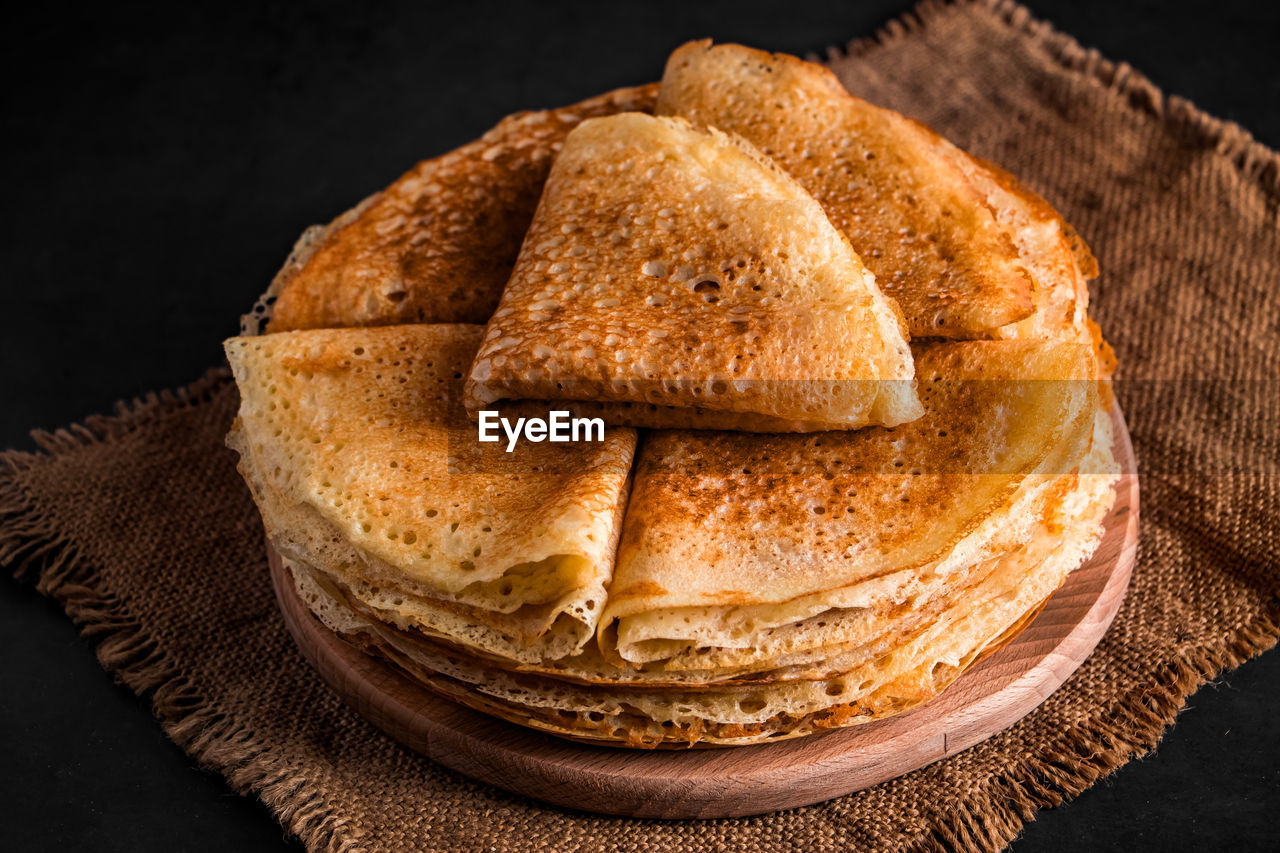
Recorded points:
(679, 268)
(729, 535)
(364, 464)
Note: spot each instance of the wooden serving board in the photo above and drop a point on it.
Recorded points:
(732, 782)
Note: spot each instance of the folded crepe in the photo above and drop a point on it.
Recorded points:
(964, 249)
(735, 542)
(437, 245)
(675, 277)
(366, 469)
(773, 586)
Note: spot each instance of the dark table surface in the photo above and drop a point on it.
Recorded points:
(159, 164)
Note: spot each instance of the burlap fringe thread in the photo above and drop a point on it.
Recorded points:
(989, 819)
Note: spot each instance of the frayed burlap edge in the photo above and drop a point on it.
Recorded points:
(988, 819)
(34, 548)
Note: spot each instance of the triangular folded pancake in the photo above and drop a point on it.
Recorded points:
(938, 230)
(365, 467)
(672, 273)
(438, 244)
(741, 542)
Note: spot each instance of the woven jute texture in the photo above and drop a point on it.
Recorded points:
(139, 525)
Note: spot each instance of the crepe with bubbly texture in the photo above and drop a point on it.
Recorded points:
(965, 250)
(712, 560)
(671, 270)
(365, 466)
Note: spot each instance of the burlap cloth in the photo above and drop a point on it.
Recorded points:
(140, 527)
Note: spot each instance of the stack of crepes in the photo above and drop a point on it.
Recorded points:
(796, 520)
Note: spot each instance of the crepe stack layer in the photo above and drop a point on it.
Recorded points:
(735, 577)
(366, 469)
(677, 277)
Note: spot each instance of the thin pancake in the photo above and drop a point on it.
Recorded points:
(363, 462)
(709, 556)
(679, 268)
(900, 192)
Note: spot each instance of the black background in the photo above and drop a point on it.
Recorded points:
(159, 164)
